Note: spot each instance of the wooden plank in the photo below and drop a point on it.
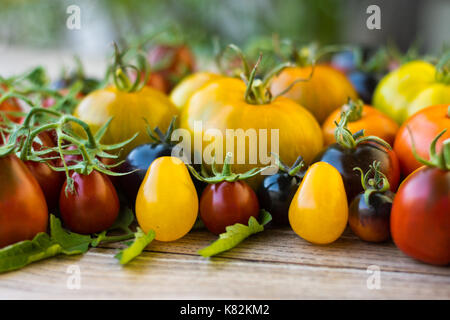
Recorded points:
(273, 265)
(176, 276)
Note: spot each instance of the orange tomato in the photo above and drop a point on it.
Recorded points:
(327, 90)
(374, 123)
(424, 126)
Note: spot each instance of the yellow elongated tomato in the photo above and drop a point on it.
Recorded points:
(221, 106)
(128, 110)
(189, 85)
(319, 212)
(167, 201)
(327, 90)
(410, 88)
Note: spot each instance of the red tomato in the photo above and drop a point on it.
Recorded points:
(226, 203)
(420, 217)
(10, 105)
(424, 126)
(23, 210)
(92, 207)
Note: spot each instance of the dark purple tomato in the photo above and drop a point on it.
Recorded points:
(362, 156)
(275, 195)
(371, 221)
(364, 84)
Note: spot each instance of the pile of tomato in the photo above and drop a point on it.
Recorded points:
(383, 169)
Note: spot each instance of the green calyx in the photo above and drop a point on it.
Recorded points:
(296, 170)
(354, 108)
(23, 136)
(348, 140)
(119, 70)
(437, 160)
(226, 174)
(373, 180)
(158, 136)
(257, 91)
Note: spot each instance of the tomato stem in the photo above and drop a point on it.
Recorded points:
(441, 160)
(373, 180)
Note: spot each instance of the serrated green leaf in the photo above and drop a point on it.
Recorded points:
(23, 253)
(71, 243)
(235, 234)
(141, 241)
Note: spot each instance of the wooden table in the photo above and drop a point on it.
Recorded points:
(275, 264)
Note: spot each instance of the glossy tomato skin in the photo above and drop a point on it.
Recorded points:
(344, 160)
(319, 211)
(371, 221)
(420, 218)
(275, 195)
(92, 207)
(310, 94)
(167, 200)
(227, 203)
(425, 125)
(373, 121)
(23, 210)
(139, 159)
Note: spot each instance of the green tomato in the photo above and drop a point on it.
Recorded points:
(410, 88)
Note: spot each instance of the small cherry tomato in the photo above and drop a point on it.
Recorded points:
(92, 207)
(319, 212)
(167, 201)
(23, 210)
(370, 211)
(276, 191)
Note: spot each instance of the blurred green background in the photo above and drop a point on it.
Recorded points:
(42, 24)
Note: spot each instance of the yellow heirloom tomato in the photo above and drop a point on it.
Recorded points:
(189, 85)
(410, 88)
(319, 212)
(167, 201)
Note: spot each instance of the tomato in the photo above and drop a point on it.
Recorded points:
(420, 218)
(172, 62)
(10, 105)
(424, 126)
(222, 105)
(157, 81)
(410, 88)
(92, 207)
(318, 212)
(327, 90)
(23, 210)
(357, 150)
(370, 211)
(374, 123)
(167, 201)
(189, 85)
(128, 110)
(227, 203)
(49, 180)
(276, 191)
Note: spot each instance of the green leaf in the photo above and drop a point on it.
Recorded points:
(124, 220)
(71, 243)
(23, 253)
(141, 240)
(235, 234)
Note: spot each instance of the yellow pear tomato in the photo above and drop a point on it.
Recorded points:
(189, 85)
(319, 211)
(167, 201)
(410, 88)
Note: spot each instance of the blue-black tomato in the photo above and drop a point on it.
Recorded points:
(276, 191)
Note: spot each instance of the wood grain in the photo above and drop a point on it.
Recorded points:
(275, 264)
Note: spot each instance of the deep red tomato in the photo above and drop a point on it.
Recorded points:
(23, 210)
(49, 180)
(420, 217)
(226, 203)
(92, 207)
